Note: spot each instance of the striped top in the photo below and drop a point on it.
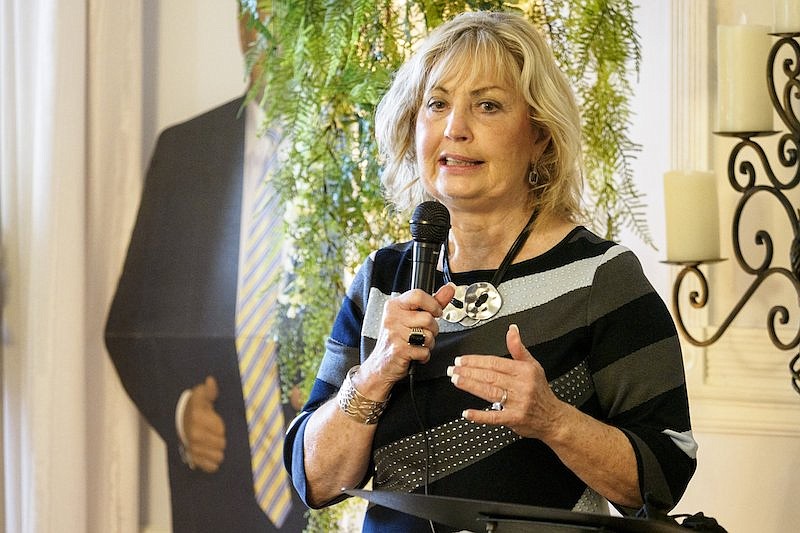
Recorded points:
(604, 338)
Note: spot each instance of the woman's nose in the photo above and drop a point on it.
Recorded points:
(457, 128)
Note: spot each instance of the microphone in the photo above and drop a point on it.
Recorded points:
(429, 226)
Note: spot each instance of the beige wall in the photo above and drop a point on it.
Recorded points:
(192, 60)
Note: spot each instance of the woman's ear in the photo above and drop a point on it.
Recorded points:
(543, 139)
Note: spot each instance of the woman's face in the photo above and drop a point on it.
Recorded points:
(475, 142)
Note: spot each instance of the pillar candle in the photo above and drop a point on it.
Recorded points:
(744, 103)
(690, 202)
(787, 16)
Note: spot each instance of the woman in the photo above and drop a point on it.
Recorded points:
(568, 390)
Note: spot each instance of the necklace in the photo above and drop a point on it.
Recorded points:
(481, 300)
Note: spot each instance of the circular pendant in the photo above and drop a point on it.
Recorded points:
(468, 322)
(482, 301)
(456, 309)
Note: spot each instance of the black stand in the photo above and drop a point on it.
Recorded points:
(497, 517)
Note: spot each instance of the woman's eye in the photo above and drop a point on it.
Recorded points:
(436, 105)
(489, 107)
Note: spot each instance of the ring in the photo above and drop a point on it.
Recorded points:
(417, 337)
(499, 406)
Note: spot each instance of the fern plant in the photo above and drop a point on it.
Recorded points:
(602, 37)
(322, 67)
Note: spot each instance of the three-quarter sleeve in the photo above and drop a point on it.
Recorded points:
(342, 351)
(638, 373)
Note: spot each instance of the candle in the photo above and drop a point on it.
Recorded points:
(690, 202)
(744, 103)
(787, 16)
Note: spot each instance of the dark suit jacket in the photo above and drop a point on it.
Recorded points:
(172, 321)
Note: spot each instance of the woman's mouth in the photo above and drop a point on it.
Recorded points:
(458, 162)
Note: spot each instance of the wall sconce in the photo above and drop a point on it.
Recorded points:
(738, 120)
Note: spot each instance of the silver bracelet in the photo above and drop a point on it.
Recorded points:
(356, 405)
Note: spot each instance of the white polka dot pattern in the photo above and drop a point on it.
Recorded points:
(400, 466)
(575, 386)
(591, 502)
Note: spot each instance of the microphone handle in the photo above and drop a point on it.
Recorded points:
(423, 269)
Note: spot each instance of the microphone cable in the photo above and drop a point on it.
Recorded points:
(426, 439)
(429, 225)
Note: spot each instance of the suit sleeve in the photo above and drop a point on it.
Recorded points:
(172, 319)
(130, 333)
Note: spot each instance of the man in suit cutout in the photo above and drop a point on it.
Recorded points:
(171, 326)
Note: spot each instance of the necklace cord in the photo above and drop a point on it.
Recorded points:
(512, 253)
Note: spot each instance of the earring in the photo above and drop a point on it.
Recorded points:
(533, 176)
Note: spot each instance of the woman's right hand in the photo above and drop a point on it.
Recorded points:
(391, 359)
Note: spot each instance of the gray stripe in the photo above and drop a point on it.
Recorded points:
(373, 314)
(627, 283)
(684, 440)
(538, 289)
(519, 294)
(574, 387)
(526, 292)
(337, 361)
(591, 502)
(636, 370)
(558, 318)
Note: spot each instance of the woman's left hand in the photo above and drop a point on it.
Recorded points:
(517, 387)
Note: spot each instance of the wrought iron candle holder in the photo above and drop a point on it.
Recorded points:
(743, 176)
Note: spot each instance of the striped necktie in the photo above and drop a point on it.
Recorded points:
(258, 365)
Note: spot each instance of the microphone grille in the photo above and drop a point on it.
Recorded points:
(430, 222)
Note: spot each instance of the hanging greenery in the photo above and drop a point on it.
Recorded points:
(322, 67)
(596, 44)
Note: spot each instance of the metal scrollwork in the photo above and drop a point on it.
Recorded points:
(791, 87)
(794, 368)
(747, 159)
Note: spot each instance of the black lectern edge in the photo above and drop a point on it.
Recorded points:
(466, 514)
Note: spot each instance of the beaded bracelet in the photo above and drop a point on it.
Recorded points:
(356, 405)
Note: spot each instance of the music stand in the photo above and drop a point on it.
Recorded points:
(498, 517)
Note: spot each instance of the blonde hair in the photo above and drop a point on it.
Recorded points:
(513, 46)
